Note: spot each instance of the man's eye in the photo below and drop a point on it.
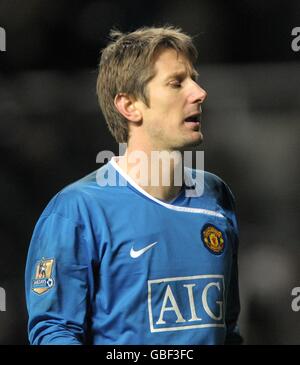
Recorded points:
(175, 84)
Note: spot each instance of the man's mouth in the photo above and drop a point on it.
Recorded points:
(193, 120)
(196, 117)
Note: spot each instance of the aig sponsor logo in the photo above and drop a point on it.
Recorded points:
(182, 303)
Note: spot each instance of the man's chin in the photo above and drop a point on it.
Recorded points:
(195, 141)
(188, 142)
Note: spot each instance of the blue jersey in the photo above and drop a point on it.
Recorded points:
(113, 265)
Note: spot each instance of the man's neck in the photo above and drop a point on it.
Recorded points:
(159, 173)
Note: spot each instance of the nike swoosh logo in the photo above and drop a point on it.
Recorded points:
(134, 254)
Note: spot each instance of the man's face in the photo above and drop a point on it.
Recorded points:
(172, 121)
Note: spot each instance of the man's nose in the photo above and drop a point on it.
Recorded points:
(198, 94)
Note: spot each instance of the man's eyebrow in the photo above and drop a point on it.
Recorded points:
(182, 74)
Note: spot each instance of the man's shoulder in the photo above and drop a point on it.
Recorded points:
(208, 184)
(79, 196)
(215, 183)
(205, 179)
(80, 186)
(89, 185)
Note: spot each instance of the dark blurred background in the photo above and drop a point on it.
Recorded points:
(51, 130)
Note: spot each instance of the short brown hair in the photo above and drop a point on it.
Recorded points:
(127, 65)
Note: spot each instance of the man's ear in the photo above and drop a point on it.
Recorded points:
(127, 106)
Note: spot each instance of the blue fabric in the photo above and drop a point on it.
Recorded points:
(177, 291)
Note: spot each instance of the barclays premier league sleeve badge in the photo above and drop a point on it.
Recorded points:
(43, 276)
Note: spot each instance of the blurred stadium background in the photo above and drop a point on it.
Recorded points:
(51, 130)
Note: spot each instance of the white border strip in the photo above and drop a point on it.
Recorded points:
(166, 205)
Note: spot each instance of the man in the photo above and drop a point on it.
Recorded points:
(133, 262)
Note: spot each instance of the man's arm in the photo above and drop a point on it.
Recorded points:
(233, 336)
(57, 282)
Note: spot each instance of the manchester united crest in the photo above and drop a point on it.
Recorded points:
(212, 239)
(43, 276)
